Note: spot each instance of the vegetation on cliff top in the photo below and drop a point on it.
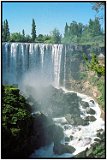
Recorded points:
(75, 33)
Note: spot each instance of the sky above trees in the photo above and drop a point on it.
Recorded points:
(47, 15)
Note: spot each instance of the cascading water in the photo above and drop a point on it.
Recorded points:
(19, 58)
(82, 136)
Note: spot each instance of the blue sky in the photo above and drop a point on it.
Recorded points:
(47, 15)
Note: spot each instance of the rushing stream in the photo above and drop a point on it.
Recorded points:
(83, 136)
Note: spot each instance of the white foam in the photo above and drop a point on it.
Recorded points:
(83, 136)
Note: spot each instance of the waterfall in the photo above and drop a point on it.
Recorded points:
(65, 67)
(20, 58)
(56, 58)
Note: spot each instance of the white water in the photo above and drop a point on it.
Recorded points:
(22, 58)
(83, 136)
(65, 68)
(56, 59)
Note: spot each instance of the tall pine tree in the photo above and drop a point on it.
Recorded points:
(2, 32)
(6, 32)
(23, 33)
(66, 34)
(95, 27)
(33, 33)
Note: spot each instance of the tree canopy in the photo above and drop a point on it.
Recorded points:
(5, 31)
(75, 33)
(33, 33)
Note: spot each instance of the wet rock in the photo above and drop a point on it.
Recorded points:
(75, 110)
(84, 104)
(67, 139)
(69, 119)
(71, 137)
(100, 130)
(94, 144)
(92, 101)
(97, 139)
(80, 121)
(101, 135)
(98, 134)
(85, 123)
(90, 118)
(62, 148)
(79, 139)
(90, 111)
(89, 153)
(58, 134)
(66, 127)
(75, 120)
(66, 143)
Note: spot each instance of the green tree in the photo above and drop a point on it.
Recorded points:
(28, 38)
(6, 32)
(16, 37)
(23, 33)
(56, 36)
(48, 39)
(97, 6)
(80, 29)
(66, 33)
(33, 33)
(40, 38)
(73, 28)
(2, 32)
(95, 27)
(94, 65)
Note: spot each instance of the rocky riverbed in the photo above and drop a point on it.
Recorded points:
(79, 117)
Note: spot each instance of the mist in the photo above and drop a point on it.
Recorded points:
(38, 88)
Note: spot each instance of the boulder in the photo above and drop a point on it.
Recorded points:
(100, 130)
(69, 119)
(58, 134)
(62, 148)
(67, 139)
(101, 135)
(65, 127)
(71, 137)
(90, 118)
(97, 139)
(84, 104)
(92, 101)
(90, 111)
(79, 129)
(75, 120)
